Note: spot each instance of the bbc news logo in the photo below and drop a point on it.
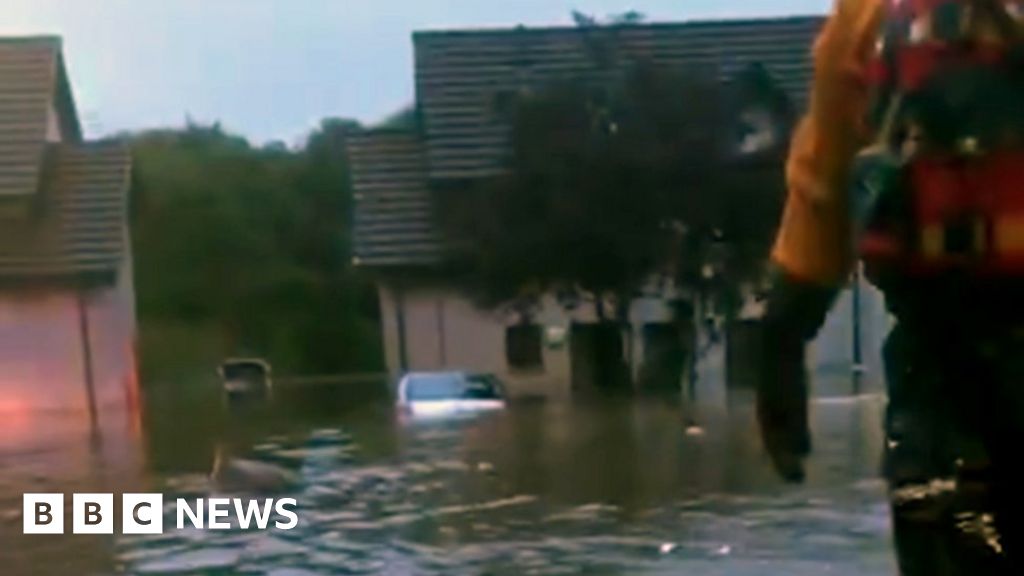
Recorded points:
(144, 514)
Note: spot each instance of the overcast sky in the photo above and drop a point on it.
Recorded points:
(270, 69)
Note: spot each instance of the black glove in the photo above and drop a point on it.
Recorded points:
(795, 312)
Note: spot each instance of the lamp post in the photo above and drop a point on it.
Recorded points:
(858, 350)
(87, 366)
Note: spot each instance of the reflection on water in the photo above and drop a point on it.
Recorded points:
(54, 454)
(614, 487)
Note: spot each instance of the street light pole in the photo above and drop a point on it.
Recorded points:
(87, 365)
(403, 352)
(858, 351)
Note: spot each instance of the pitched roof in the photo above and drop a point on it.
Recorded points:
(460, 135)
(77, 224)
(32, 81)
(460, 74)
(62, 205)
(394, 222)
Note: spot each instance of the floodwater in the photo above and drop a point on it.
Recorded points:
(614, 486)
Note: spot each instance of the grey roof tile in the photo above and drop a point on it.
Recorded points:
(393, 211)
(28, 77)
(460, 75)
(77, 223)
(62, 205)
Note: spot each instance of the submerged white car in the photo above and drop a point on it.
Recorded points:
(445, 394)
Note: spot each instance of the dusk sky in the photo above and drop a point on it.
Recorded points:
(271, 69)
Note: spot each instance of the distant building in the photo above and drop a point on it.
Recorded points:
(67, 316)
(458, 137)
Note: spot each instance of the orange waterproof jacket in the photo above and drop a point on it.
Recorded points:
(813, 243)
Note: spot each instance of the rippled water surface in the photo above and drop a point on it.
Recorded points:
(589, 487)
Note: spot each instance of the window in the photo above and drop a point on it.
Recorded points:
(245, 371)
(483, 387)
(758, 131)
(524, 347)
(440, 387)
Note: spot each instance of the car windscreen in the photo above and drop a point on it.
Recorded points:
(482, 387)
(441, 387)
(244, 371)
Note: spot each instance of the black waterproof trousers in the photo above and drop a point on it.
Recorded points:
(955, 426)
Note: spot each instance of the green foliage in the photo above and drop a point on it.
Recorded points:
(250, 246)
(619, 174)
(407, 118)
(629, 18)
(632, 17)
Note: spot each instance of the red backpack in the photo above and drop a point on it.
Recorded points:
(944, 187)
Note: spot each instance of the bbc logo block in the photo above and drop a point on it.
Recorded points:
(43, 513)
(93, 514)
(144, 514)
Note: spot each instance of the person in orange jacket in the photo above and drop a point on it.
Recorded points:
(812, 252)
(947, 250)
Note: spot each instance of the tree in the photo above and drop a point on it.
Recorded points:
(596, 174)
(248, 247)
(629, 171)
(406, 119)
(629, 18)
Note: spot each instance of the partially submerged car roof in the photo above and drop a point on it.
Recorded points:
(452, 373)
(238, 362)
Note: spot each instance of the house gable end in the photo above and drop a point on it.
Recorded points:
(36, 108)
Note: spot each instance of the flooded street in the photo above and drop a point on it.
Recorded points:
(550, 203)
(588, 487)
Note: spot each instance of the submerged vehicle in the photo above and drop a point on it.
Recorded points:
(443, 394)
(245, 378)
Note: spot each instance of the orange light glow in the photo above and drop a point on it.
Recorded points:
(10, 405)
(15, 414)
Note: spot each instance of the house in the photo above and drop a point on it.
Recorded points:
(458, 138)
(67, 316)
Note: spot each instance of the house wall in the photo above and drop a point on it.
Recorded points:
(53, 131)
(444, 331)
(42, 358)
